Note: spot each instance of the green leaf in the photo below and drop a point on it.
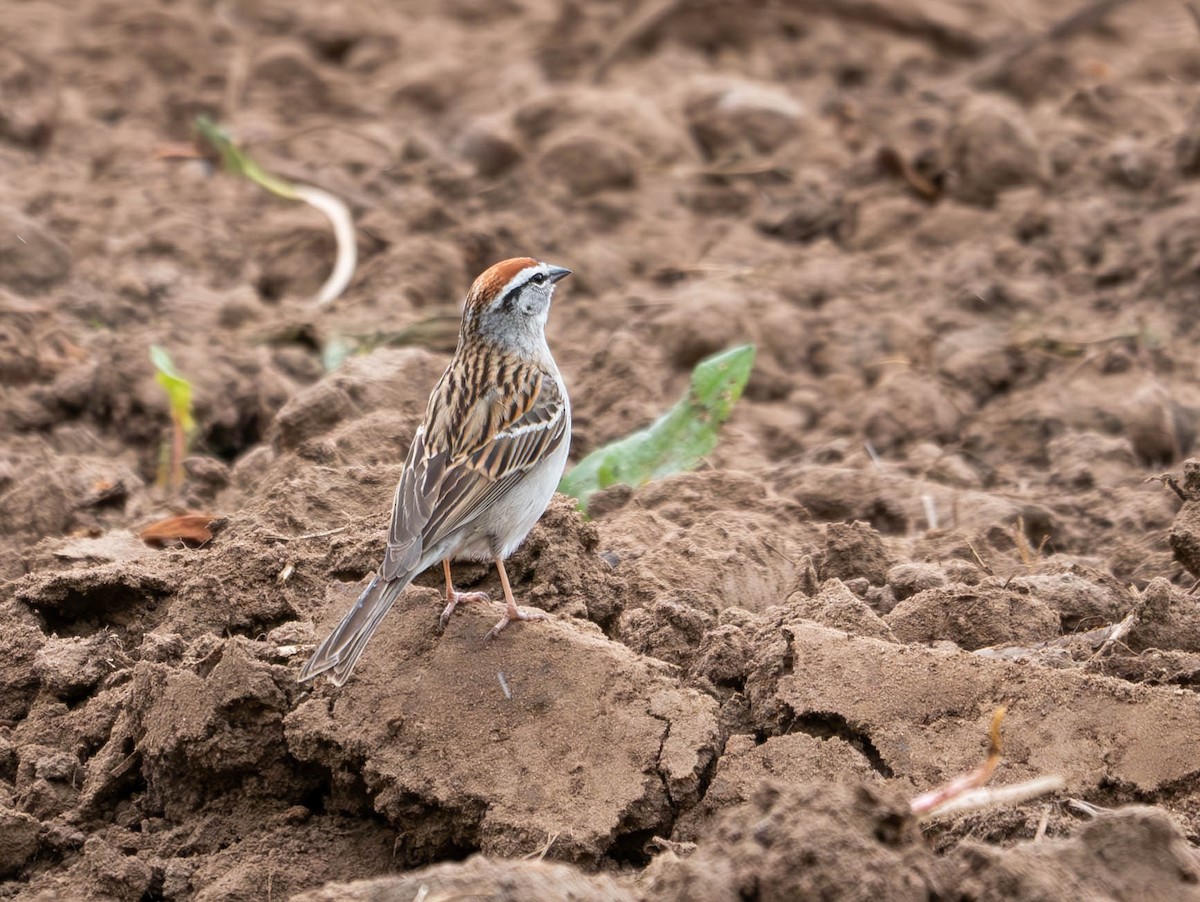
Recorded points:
(239, 162)
(179, 390)
(678, 440)
(336, 350)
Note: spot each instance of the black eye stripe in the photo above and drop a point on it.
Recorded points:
(510, 299)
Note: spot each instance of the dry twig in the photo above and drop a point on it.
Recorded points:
(907, 20)
(929, 802)
(1042, 825)
(993, 797)
(979, 562)
(910, 22)
(969, 791)
(648, 17)
(541, 853)
(1116, 633)
(1168, 480)
(1083, 19)
(1086, 808)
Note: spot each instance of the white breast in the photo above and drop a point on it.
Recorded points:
(512, 516)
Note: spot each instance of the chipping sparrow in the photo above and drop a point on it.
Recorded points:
(484, 463)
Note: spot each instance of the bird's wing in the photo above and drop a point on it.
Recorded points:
(462, 459)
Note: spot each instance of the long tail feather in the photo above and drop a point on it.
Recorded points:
(342, 648)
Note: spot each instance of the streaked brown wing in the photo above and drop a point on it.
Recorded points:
(442, 491)
(412, 507)
(477, 481)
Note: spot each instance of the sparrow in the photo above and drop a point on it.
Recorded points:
(483, 464)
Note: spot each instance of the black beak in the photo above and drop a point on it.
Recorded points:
(557, 272)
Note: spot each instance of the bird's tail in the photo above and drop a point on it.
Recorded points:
(342, 648)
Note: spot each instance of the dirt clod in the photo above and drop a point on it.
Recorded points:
(973, 618)
(32, 258)
(856, 842)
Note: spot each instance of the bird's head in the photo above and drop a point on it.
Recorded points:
(510, 301)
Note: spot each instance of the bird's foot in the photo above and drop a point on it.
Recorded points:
(454, 600)
(514, 613)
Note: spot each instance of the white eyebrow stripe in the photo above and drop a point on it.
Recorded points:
(519, 279)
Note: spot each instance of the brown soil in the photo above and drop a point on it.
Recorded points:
(972, 277)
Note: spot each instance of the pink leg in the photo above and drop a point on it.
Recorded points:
(453, 597)
(511, 612)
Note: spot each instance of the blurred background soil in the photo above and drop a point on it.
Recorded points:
(965, 239)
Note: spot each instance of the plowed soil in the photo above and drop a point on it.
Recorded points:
(965, 238)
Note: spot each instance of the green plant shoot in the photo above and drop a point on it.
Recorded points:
(237, 161)
(678, 440)
(183, 422)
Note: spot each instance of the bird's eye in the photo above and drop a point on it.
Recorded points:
(538, 278)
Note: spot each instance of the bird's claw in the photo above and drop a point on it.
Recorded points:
(510, 616)
(454, 601)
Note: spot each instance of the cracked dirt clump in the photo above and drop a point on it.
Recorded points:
(849, 841)
(501, 745)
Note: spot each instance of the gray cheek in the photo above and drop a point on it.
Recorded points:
(535, 305)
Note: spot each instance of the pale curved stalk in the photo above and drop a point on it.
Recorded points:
(995, 796)
(239, 162)
(343, 233)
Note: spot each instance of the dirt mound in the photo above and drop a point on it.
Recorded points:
(1136, 853)
(499, 748)
(482, 878)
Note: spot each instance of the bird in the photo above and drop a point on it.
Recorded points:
(483, 464)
